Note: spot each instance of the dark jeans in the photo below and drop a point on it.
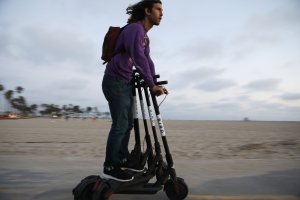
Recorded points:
(120, 100)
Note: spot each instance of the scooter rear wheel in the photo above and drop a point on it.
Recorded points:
(87, 192)
(176, 191)
(102, 192)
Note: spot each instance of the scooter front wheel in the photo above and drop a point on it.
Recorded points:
(176, 191)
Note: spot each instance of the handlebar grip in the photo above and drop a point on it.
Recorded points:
(138, 76)
(161, 83)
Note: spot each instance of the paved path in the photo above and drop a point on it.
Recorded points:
(244, 197)
(53, 178)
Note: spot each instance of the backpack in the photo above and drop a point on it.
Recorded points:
(109, 43)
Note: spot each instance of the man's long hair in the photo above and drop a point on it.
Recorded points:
(137, 11)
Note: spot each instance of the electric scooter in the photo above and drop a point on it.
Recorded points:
(98, 188)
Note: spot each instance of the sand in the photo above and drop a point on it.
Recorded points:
(187, 139)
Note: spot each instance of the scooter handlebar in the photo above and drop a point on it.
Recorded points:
(161, 83)
(138, 76)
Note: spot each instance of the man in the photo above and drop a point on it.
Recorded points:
(117, 87)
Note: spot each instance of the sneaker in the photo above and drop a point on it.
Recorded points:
(116, 173)
(133, 167)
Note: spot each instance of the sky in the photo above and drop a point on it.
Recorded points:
(224, 60)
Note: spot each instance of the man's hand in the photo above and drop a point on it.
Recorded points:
(159, 90)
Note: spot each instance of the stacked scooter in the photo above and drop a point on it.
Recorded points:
(95, 187)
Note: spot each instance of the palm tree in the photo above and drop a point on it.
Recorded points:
(50, 109)
(33, 108)
(1, 89)
(44, 112)
(19, 89)
(20, 104)
(8, 95)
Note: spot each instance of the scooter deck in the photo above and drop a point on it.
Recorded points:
(149, 188)
(139, 185)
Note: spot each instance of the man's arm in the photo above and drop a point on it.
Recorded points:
(135, 47)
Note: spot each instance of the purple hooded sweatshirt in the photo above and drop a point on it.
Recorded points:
(136, 43)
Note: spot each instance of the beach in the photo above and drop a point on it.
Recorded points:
(187, 139)
(51, 156)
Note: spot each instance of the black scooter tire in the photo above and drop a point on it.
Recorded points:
(177, 191)
(84, 190)
(87, 193)
(102, 191)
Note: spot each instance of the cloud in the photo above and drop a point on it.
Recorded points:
(268, 31)
(215, 84)
(263, 84)
(225, 105)
(193, 76)
(36, 57)
(283, 19)
(6, 39)
(290, 96)
(203, 73)
(202, 78)
(202, 49)
(39, 45)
